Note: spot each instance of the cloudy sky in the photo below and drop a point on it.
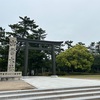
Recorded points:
(76, 20)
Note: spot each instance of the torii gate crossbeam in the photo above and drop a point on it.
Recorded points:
(40, 42)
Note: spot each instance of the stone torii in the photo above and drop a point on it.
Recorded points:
(52, 48)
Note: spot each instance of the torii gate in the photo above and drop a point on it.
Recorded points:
(52, 44)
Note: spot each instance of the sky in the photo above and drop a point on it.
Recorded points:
(63, 20)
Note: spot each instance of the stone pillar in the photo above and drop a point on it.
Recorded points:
(12, 54)
(25, 60)
(53, 60)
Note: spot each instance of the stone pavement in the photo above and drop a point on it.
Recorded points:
(55, 88)
(43, 82)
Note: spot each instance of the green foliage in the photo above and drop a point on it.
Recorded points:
(94, 49)
(3, 50)
(96, 63)
(77, 57)
(25, 28)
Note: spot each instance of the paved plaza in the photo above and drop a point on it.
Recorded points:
(43, 82)
(51, 88)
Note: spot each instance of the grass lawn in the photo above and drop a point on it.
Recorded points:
(95, 77)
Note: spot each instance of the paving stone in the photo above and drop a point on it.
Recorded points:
(57, 82)
(56, 88)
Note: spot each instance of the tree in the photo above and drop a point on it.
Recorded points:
(77, 57)
(3, 50)
(22, 28)
(69, 43)
(25, 28)
(96, 64)
(80, 43)
(98, 47)
(94, 49)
